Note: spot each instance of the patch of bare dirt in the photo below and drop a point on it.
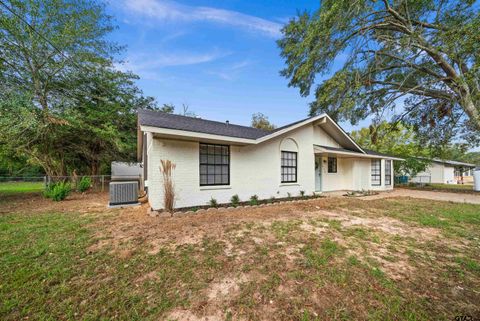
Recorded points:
(292, 252)
(132, 226)
(146, 277)
(225, 288)
(385, 224)
(313, 228)
(76, 202)
(186, 315)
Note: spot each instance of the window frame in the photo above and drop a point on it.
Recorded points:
(288, 166)
(379, 175)
(328, 165)
(207, 164)
(388, 182)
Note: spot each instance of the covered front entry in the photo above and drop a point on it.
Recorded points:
(339, 169)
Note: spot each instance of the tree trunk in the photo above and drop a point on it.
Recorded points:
(470, 108)
(94, 168)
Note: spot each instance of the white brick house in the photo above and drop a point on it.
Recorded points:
(218, 160)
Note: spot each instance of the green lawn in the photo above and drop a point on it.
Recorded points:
(289, 262)
(9, 188)
(454, 188)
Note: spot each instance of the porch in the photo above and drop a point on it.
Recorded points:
(338, 169)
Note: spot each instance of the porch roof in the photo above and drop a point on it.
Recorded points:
(321, 149)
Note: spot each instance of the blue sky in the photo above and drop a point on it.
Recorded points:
(218, 57)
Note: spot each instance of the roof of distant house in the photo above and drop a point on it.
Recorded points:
(452, 162)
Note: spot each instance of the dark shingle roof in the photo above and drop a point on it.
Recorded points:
(198, 125)
(372, 152)
(291, 124)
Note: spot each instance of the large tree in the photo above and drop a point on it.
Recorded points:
(422, 54)
(63, 105)
(399, 140)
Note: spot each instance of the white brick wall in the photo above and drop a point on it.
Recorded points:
(254, 169)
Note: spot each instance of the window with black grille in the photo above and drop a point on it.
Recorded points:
(376, 172)
(332, 164)
(289, 167)
(214, 164)
(388, 172)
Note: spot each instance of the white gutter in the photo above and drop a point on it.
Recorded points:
(353, 154)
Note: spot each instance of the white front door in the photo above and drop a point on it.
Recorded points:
(318, 174)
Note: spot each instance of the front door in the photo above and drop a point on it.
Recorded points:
(318, 174)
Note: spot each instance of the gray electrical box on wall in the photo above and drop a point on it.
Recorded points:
(123, 193)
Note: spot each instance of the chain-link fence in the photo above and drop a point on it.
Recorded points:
(98, 183)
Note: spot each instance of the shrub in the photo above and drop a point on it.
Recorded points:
(213, 202)
(254, 200)
(84, 184)
(302, 193)
(289, 196)
(272, 199)
(57, 191)
(235, 200)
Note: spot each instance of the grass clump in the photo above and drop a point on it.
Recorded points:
(282, 228)
(318, 256)
(235, 200)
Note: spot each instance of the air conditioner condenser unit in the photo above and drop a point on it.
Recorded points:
(123, 193)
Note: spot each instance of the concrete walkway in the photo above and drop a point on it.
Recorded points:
(431, 195)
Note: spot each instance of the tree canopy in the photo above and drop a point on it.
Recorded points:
(397, 140)
(63, 104)
(419, 54)
(261, 121)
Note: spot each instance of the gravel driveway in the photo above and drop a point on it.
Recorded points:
(432, 195)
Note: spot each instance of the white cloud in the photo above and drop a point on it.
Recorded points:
(232, 71)
(168, 10)
(147, 65)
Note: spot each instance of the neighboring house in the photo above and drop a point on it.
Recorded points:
(218, 160)
(445, 172)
